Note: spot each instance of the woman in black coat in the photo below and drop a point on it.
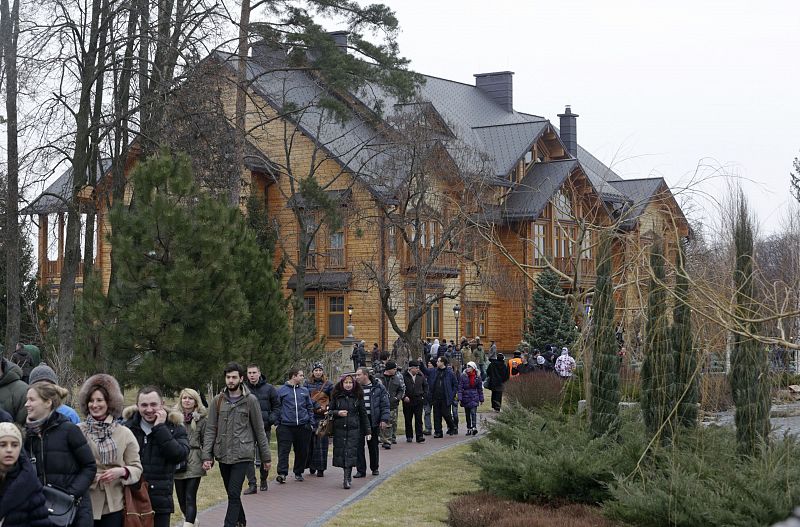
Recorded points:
(497, 374)
(58, 449)
(21, 499)
(350, 424)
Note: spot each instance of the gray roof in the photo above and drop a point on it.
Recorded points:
(529, 198)
(639, 193)
(52, 200)
(327, 281)
(509, 142)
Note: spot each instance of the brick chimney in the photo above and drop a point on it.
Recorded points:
(498, 87)
(569, 130)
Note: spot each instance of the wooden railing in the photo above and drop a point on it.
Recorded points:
(52, 269)
(567, 265)
(336, 258)
(446, 263)
(311, 259)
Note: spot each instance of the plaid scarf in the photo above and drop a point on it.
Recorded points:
(100, 432)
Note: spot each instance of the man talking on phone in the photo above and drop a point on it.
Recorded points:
(163, 445)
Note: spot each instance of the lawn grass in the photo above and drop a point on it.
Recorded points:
(418, 494)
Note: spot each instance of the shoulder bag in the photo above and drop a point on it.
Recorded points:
(138, 510)
(61, 505)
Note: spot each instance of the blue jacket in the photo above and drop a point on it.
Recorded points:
(378, 404)
(294, 407)
(450, 383)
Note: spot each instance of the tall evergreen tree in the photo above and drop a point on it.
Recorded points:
(657, 375)
(749, 368)
(551, 320)
(195, 289)
(604, 407)
(686, 385)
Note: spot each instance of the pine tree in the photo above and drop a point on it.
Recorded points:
(750, 374)
(686, 385)
(604, 409)
(658, 368)
(551, 320)
(194, 290)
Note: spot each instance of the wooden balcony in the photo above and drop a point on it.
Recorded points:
(51, 270)
(567, 266)
(336, 259)
(445, 266)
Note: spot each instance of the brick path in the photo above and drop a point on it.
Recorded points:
(316, 500)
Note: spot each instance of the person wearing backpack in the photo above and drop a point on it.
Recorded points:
(22, 358)
(233, 427)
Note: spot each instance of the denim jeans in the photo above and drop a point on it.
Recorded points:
(472, 417)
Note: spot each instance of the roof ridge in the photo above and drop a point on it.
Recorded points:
(510, 124)
(635, 179)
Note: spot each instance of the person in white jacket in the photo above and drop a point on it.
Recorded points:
(435, 349)
(565, 364)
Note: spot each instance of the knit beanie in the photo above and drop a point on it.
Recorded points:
(42, 372)
(10, 429)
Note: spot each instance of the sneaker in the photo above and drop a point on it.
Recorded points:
(281, 479)
(375, 473)
(299, 477)
(264, 487)
(360, 475)
(250, 490)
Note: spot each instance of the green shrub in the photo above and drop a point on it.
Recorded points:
(552, 458)
(629, 384)
(535, 390)
(573, 392)
(715, 393)
(702, 481)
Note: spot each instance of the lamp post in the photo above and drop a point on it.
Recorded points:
(456, 313)
(350, 327)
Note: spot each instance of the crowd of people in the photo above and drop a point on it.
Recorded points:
(95, 471)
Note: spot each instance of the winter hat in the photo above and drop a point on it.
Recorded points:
(390, 365)
(539, 359)
(317, 366)
(564, 351)
(500, 356)
(10, 429)
(472, 365)
(413, 364)
(42, 373)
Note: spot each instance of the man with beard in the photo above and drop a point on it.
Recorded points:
(267, 397)
(234, 425)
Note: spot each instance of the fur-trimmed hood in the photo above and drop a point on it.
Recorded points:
(107, 382)
(131, 412)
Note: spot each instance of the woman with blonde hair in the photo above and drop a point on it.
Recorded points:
(113, 446)
(187, 478)
(57, 448)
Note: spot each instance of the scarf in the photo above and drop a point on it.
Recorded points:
(471, 375)
(35, 427)
(100, 432)
(187, 418)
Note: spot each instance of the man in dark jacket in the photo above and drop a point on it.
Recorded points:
(497, 374)
(163, 444)
(442, 389)
(294, 421)
(392, 380)
(234, 425)
(267, 397)
(376, 402)
(13, 391)
(23, 358)
(413, 400)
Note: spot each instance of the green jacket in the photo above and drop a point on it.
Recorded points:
(13, 391)
(479, 356)
(234, 429)
(35, 354)
(194, 462)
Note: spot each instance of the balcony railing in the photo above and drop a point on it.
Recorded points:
(52, 269)
(336, 258)
(445, 265)
(567, 266)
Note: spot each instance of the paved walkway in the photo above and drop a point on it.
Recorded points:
(316, 500)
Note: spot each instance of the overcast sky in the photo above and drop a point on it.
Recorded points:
(662, 88)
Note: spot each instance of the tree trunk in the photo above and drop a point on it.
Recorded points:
(241, 105)
(9, 29)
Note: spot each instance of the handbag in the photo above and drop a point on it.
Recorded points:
(325, 427)
(138, 509)
(61, 506)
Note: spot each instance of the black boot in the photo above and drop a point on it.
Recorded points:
(348, 472)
